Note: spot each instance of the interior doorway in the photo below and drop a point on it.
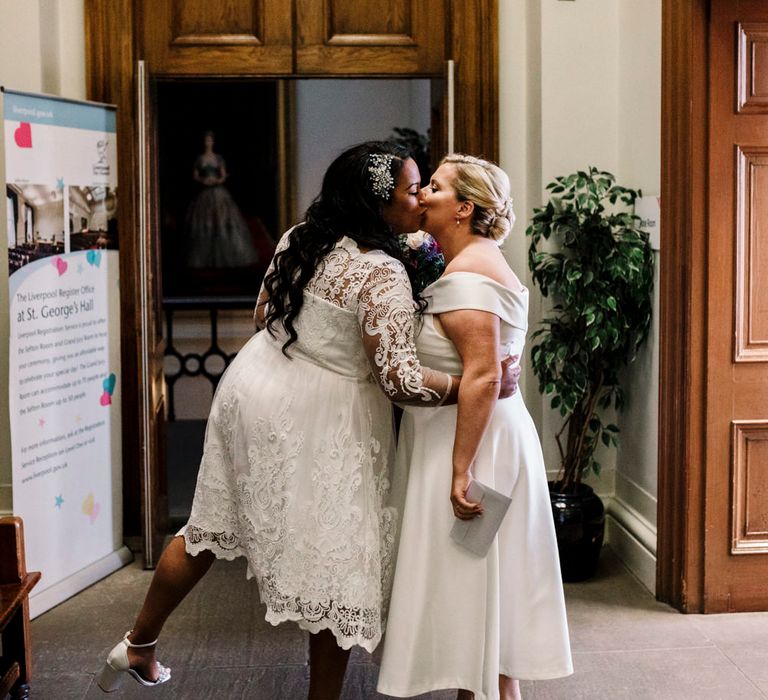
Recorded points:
(266, 145)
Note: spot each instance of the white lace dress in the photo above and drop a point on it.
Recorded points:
(296, 473)
(458, 620)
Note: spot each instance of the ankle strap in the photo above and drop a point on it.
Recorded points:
(137, 646)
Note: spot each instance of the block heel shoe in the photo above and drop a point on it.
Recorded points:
(117, 667)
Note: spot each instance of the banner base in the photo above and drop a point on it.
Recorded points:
(60, 591)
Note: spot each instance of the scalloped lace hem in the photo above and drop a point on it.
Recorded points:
(345, 642)
(194, 548)
(275, 617)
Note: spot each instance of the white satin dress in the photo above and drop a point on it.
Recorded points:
(458, 620)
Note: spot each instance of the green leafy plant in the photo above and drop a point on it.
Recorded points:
(588, 254)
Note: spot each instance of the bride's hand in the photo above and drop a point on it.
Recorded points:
(510, 375)
(462, 508)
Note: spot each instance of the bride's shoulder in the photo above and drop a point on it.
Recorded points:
(492, 266)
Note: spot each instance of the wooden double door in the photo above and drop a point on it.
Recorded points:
(129, 44)
(305, 37)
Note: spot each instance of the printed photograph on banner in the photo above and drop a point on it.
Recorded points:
(35, 223)
(92, 218)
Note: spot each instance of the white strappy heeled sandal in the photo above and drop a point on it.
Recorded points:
(117, 664)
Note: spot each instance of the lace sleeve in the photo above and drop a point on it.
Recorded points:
(386, 316)
(260, 310)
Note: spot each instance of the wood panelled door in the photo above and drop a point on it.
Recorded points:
(258, 37)
(379, 37)
(226, 37)
(154, 490)
(736, 532)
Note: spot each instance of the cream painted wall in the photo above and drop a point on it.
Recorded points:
(639, 112)
(559, 86)
(520, 143)
(42, 49)
(20, 41)
(640, 166)
(42, 46)
(580, 84)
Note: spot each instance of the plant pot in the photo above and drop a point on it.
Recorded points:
(580, 527)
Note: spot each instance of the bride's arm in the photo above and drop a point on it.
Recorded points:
(386, 317)
(476, 337)
(259, 313)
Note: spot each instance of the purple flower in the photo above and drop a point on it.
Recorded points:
(423, 258)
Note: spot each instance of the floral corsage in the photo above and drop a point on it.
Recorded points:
(423, 258)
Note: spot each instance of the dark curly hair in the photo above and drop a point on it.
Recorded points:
(346, 206)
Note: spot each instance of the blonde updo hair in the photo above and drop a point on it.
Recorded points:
(486, 185)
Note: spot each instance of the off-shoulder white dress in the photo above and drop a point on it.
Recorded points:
(296, 473)
(458, 620)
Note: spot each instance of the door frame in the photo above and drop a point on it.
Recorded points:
(683, 322)
(112, 49)
(693, 543)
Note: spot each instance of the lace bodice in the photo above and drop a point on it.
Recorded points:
(358, 321)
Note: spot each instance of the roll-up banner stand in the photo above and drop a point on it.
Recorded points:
(63, 320)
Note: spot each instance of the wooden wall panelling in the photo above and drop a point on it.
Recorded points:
(751, 323)
(109, 61)
(682, 386)
(753, 68)
(473, 43)
(736, 390)
(749, 474)
(709, 461)
(227, 37)
(154, 483)
(370, 37)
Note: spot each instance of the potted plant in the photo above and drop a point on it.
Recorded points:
(588, 254)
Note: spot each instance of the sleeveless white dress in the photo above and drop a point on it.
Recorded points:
(296, 474)
(458, 620)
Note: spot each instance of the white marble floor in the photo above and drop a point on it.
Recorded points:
(625, 644)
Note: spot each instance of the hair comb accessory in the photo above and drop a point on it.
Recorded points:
(509, 211)
(380, 171)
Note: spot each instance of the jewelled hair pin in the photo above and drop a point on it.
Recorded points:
(380, 170)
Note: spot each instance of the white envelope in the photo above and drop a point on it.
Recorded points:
(477, 534)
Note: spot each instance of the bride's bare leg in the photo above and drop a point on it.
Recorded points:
(327, 665)
(509, 688)
(176, 575)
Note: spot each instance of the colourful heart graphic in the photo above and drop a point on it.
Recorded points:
(109, 384)
(91, 508)
(106, 399)
(60, 265)
(23, 135)
(94, 257)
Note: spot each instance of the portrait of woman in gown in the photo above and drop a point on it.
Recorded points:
(215, 230)
(458, 620)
